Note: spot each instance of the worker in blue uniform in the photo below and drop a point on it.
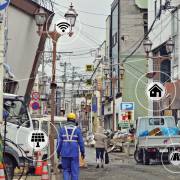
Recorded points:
(68, 143)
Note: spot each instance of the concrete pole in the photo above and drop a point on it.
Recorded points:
(114, 111)
(86, 113)
(1, 72)
(91, 116)
(101, 91)
(64, 85)
(42, 105)
(72, 102)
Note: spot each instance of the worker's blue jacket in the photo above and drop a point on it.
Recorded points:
(70, 136)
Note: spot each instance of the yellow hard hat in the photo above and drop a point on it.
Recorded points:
(71, 116)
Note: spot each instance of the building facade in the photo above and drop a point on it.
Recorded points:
(126, 26)
(166, 26)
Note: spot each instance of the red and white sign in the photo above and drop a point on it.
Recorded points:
(35, 95)
(35, 105)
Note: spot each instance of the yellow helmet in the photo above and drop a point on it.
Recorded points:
(71, 117)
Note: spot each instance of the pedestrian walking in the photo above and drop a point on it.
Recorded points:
(100, 145)
(68, 143)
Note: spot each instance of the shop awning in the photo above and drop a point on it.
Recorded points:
(143, 4)
(7, 67)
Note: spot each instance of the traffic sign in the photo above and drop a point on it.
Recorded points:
(35, 105)
(3, 4)
(35, 95)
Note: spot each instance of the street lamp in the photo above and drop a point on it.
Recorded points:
(121, 71)
(107, 83)
(45, 78)
(82, 103)
(58, 57)
(71, 15)
(169, 48)
(95, 83)
(147, 45)
(106, 70)
(40, 17)
(91, 91)
(114, 79)
(81, 91)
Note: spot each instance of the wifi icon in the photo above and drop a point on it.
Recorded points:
(63, 26)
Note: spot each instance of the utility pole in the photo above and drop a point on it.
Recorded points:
(72, 102)
(64, 85)
(42, 60)
(1, 72)
(64, 82)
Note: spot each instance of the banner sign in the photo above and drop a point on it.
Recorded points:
(94, 104)
(126, 111)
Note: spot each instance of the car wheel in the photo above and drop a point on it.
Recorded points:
(9, 171)
(145, 160)
(138, 160)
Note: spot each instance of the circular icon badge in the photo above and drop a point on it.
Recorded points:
(155, 91)
(63, 27)
(174, 158)
(38, 139)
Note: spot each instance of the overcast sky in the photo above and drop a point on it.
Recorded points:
(79, 43)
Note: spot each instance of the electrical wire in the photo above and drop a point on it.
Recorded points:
(134, 50)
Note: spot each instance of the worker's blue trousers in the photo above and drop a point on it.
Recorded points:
(70, 165)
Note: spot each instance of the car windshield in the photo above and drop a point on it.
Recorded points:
(17, 113)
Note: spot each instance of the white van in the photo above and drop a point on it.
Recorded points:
(43, 122)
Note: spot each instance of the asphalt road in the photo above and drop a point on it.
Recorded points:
(125, 169)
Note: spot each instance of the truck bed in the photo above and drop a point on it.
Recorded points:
(158, 141)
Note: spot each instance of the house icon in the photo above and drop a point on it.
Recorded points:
(155, 91)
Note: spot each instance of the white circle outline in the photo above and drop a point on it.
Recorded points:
(162, 160)
(36, 151)
(147, 108)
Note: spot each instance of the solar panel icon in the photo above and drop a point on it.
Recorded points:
(37, 137)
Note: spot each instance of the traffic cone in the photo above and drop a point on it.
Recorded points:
(45, 175)
(2, 176)
(39, 167)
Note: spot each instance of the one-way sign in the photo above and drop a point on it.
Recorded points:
(3, 4)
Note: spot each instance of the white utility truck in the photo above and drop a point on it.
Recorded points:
(154, 147)
(19, 125)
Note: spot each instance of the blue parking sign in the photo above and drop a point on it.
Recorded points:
(3, 4)
(127, 106)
